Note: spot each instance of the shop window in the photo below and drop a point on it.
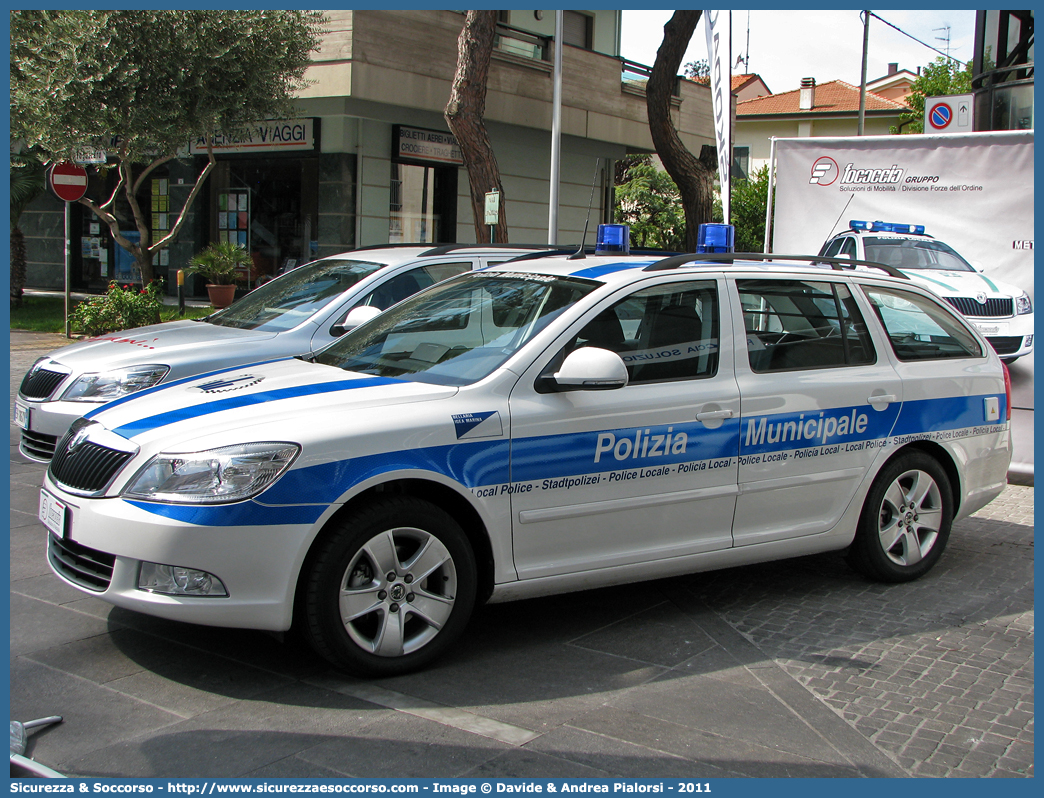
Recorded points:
(422, 207)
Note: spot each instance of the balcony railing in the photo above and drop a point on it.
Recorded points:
(636, 76)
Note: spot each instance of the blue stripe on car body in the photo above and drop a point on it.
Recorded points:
(149, 423)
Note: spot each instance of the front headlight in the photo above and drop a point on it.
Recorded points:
(228, 474)
(108, 385)
(1023, 304)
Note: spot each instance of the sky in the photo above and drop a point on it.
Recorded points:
(786, 46)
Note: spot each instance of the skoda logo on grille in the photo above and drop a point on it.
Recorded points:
(77, 440)
(230, 384)
(981, 298)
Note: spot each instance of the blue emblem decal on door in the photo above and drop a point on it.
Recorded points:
(478, 425)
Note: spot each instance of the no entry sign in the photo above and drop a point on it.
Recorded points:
(67, 181)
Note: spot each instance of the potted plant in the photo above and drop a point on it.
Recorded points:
(220, 264)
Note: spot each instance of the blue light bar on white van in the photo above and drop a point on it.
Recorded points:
(887, 227)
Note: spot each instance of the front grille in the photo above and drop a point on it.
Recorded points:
(86, 567)
(967, 306)
(89, 467)
(1005, 344)
(37, 445)
(40, 384)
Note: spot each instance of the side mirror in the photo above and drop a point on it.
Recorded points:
(978, 266)
(589, 369)
(356, 316)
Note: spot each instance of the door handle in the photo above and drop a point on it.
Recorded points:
(711, 415)
(887, 397)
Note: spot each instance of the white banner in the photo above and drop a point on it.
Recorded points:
(719, 56)
(973, 192)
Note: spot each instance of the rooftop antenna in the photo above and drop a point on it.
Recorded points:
(745, 59)
(583, 241)
(944, 39)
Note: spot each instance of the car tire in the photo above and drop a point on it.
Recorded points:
(390, 588)
(905, 521)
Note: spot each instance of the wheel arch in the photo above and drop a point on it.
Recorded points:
(442, 496)
(946, 461)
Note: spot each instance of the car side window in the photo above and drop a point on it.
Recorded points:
(831, 249)
(667, 332)
(918, 328)
(848, 247)
(801, 324)
(410, 282)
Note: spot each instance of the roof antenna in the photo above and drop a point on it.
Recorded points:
(852, 197)
(579, 254)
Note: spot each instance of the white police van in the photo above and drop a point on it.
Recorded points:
(1002, 312)
(541, 426)
(297, 313)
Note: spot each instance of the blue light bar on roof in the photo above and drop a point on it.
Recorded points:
(887, 227)
(716, 238)
(613, 239)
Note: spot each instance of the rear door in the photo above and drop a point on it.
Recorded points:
(817, 402)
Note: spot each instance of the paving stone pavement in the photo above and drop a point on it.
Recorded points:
(794, 668)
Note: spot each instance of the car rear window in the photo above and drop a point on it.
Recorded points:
(919, 328)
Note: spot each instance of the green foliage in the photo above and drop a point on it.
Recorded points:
(141, 84)
(154, 78)
(649, 201)
(219, 262)
(47, 313)
(120, 308)
(697, 70)
(938, 79)
(747, 209)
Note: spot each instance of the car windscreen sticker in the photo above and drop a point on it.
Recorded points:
(478, 425)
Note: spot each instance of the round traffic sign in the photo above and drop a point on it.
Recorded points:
(940, 116)
(67, 181)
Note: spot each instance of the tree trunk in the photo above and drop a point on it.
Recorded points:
(693, 176)
(464, 115)
(18, 266)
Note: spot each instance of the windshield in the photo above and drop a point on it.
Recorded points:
(459, 331)
(918, 254)
(294, 297)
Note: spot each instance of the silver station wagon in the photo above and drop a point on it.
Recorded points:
(297, 313)
(541, 426)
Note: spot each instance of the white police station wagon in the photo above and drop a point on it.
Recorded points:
(1002, 312)
(297, 313)
(541, 426)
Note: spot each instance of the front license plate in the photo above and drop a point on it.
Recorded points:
(993, 329)
(52, 513)
(21, 415)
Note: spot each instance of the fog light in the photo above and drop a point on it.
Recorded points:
(174, 580)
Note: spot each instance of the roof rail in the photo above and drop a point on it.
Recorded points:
(589, 250)
(838, 264)
(445, 249)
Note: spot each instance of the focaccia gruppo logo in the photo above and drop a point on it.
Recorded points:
(824, 171)
(478, 425)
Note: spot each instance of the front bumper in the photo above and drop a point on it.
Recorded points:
(46, 423)
(107, 539)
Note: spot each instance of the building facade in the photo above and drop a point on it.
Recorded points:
(370, 160)
(825, 110)
(1002, 70)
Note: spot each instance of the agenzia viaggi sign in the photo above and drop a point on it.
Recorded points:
(272, 135)
(973, 191)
